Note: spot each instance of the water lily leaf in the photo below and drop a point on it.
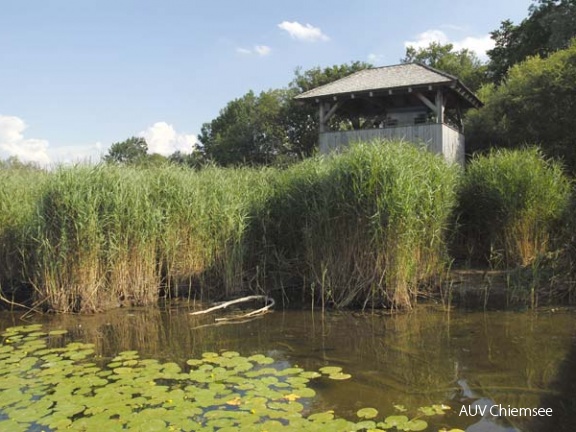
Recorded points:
(322, 417)
(68, 409)
(194, 362)
(25, 415)
(126, 355)
(366, 425)
(339, 376)
(306, 392)
(261, 359)
(290, 371)
(416, 425)
(310, 374)
(367, 413)
(434, 409)
(57, 332)
(13, 426)
(297, 381)
(59, 423)
(397, 421)
(330, 370)
(123, 370)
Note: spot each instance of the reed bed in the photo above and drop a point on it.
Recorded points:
(20, 188)
(366, 228)
(513, 207)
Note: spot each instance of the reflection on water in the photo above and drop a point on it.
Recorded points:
(416, 359)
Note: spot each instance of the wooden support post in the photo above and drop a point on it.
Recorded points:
(321, 117)
(459, 118)
(325, 114)
(439, 106)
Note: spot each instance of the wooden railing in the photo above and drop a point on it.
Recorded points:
(438, 138)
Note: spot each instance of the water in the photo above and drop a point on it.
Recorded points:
(521, 359)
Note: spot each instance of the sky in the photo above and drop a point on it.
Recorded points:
(77, 76)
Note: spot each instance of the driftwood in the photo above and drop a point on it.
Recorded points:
(263, 310)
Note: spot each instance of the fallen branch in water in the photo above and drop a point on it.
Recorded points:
(263, 310)
(231, 322)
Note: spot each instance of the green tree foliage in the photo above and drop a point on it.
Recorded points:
(196, 159)
(536, 105)
(301, 120)
(463, 64)
(549, 27)
(248, 130)
(14, 163)
(269, 128)
(131, 151)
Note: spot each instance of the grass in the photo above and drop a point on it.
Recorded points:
(513, 205)
(514, 211)
(366, 228)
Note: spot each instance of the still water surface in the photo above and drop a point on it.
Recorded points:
(521, 359)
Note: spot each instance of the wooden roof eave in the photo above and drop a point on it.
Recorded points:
(455, 85)
(373, 93)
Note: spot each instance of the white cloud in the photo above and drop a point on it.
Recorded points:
(307, 32)
(453, 27)
(162, 138)
(81, 153)
(426, 38)
(261, 50)
(13, 142)
(375, 58)
(479, 44)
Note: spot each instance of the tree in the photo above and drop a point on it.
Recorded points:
(301, 120)
(247, 131)
(549, 27)
(195, 160)
(463, 64)
(131, 151)
(536, 104)
(16, 164)
(271, 127)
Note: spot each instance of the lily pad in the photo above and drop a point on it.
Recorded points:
(339, 376)
(57, 332)
(367, 413)
(330, 370)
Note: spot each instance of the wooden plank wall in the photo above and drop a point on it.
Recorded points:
(438, 138)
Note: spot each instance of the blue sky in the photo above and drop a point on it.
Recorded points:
(76, 76)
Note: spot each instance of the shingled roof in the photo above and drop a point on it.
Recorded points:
(395, 77)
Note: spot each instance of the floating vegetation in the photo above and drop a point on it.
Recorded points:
(48, 383)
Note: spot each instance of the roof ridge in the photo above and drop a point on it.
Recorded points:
(438, 71)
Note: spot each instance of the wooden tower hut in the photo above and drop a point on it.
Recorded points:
(411, 101)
